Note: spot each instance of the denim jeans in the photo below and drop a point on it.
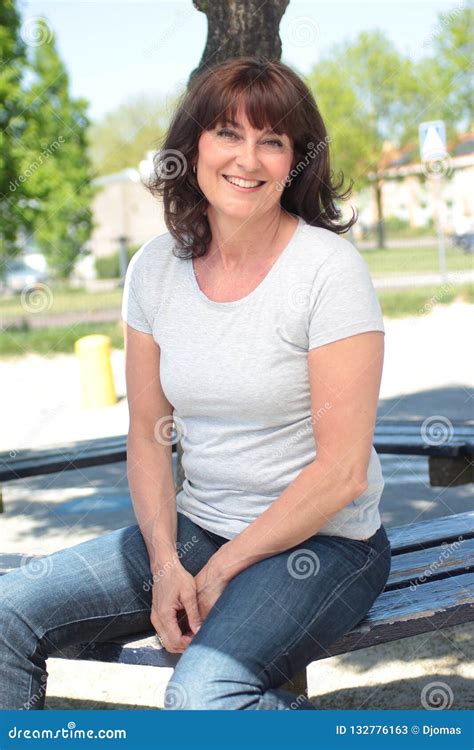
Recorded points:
(270, 622)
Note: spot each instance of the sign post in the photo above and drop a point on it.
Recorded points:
(432, 136)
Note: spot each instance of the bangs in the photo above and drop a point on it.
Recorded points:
(265, 103)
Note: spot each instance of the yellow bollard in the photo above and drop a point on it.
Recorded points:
(97, 381)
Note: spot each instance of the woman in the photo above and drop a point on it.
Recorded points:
(256, 327)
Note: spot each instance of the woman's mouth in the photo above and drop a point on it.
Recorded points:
(247, 186)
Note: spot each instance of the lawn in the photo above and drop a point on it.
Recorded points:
(52, 340)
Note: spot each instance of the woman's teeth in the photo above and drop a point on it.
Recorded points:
(243, 183)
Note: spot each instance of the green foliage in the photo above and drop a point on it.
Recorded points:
(370, 93)
(56, 339)
(108, 267)
(123, 137)
(55, 137)
(12, 121)
(46, 175)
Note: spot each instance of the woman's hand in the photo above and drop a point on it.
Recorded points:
(174, 611)
(209, 585)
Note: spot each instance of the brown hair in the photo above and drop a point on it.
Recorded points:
(273, 96)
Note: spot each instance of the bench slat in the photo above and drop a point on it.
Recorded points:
(432, 532)
(397, 438)
(404, 612)
(431, 564)
(419, 536)
(396, 614)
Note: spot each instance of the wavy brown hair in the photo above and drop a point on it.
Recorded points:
(273, 96)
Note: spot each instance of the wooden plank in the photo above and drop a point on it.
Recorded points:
(395, 438)
(411, 445)
(435, 563)
(80, 455)
(392, 425)
(395, 614)
(404, 612)
(431, 533)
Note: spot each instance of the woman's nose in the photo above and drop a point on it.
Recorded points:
(247, 158)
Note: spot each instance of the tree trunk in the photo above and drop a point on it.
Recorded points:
(380, 221)
(236, 28)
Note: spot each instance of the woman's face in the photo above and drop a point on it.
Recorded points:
(239, 151)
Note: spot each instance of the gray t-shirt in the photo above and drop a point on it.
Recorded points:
(236, 372)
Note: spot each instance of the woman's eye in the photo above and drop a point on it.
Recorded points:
(227, 132)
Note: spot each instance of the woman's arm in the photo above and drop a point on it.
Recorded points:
(149, 455)
(345, 379)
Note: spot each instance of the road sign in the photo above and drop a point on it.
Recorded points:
(432, 135)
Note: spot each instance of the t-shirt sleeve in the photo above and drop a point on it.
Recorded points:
(343, 301)
(132, 299)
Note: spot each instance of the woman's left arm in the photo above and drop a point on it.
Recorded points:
(345, 379)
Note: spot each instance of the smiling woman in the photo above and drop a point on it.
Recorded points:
(263, 345)
(245, 121)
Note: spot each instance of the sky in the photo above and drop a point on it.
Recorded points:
(116, 50)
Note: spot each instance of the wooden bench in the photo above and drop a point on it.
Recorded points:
(431, 586)
(450, 457)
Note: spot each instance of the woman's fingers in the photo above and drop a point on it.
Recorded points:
(166, 625)
(190, 603)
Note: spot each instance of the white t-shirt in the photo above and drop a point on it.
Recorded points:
(236, 372)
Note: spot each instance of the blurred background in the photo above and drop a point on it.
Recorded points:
(87, 90)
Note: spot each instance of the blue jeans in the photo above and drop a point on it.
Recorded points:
(270, 622)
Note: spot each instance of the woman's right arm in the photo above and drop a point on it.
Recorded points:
(152, 488)
(149, 455)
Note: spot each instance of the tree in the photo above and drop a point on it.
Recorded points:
(237, 28)
(124, 136)
(449, 71)
(364, 89)
(54, 159)
(12, 120)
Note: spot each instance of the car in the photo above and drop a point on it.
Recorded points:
(464, 241)
(19, 277)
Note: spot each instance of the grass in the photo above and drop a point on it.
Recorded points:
(64, 300)
(53, 340)
(410, 260)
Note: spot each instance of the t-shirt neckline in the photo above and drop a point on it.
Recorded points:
(254, 292)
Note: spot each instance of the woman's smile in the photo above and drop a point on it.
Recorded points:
(243, 186)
